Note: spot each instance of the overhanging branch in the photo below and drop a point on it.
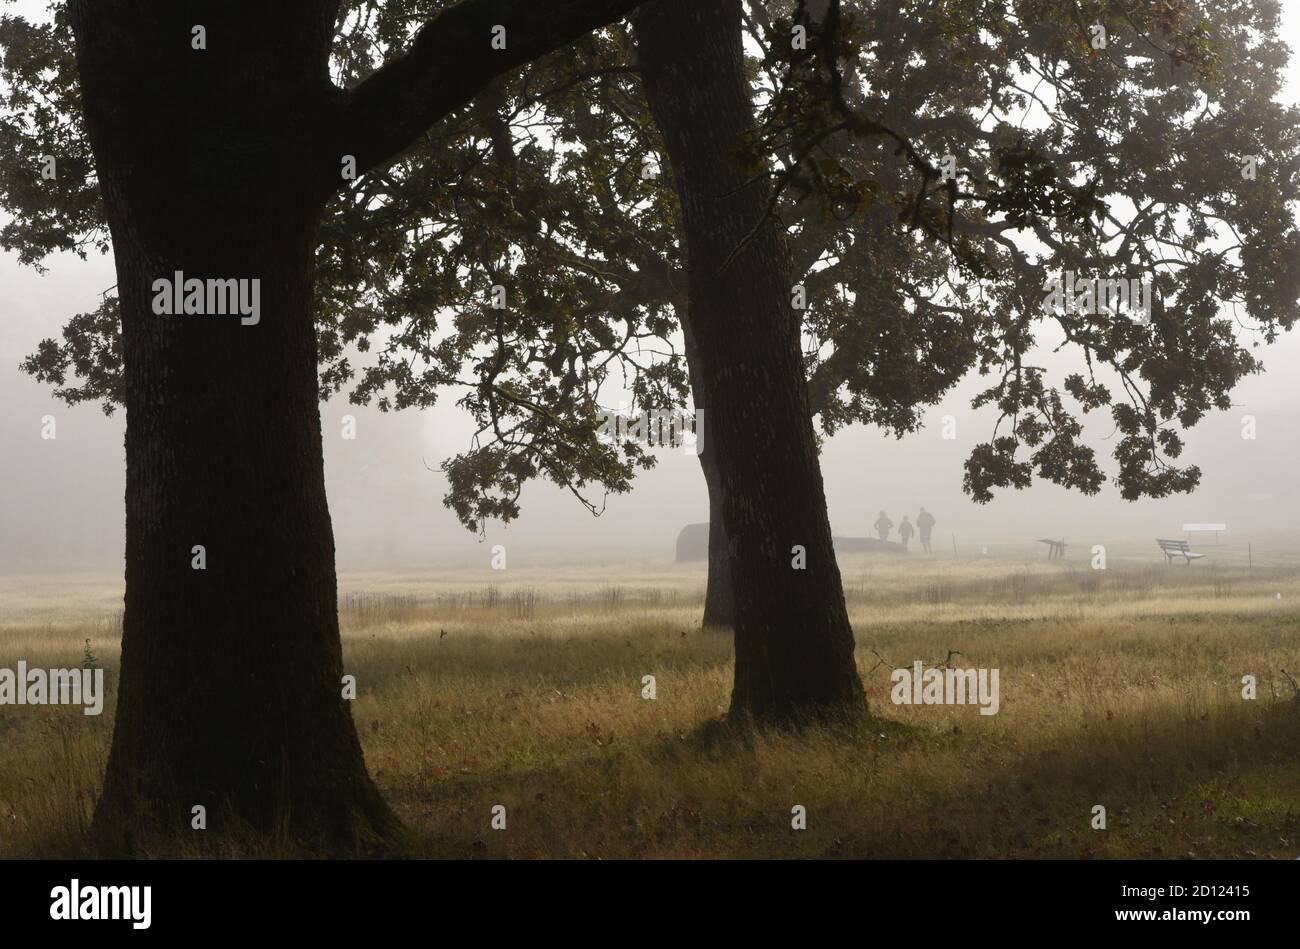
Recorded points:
(450, 61)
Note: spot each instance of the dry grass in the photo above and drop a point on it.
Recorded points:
(1119, 688)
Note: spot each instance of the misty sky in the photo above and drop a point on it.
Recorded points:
(61, 500)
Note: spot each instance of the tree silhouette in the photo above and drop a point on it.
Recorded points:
(207, 139)
(1105, 139)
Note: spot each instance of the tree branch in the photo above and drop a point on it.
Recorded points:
(451, 60)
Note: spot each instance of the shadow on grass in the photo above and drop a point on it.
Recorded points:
(1171, 790)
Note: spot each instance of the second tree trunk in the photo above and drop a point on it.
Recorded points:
(794, 645)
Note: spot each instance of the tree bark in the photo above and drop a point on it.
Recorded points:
(218, 137)
(230, 695)
(719, 596)
(794, 645)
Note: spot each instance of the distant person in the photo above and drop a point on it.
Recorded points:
(905, 532)
(925, 524)
(883, 525)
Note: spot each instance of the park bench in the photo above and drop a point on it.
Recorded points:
(1055, 548)
(1178, 548)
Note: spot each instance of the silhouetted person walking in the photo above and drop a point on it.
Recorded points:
(883, 525)
(905, 532)
(925, 524)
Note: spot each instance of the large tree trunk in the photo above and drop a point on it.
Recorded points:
(230, 692)
(719, 597)
(794, 646)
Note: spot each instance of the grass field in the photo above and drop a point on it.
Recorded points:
(1119, 688)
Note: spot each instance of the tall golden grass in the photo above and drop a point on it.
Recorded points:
(1119, 688)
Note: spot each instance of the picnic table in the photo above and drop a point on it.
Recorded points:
(1055, 548)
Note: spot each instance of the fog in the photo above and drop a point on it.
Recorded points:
(61, 499)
